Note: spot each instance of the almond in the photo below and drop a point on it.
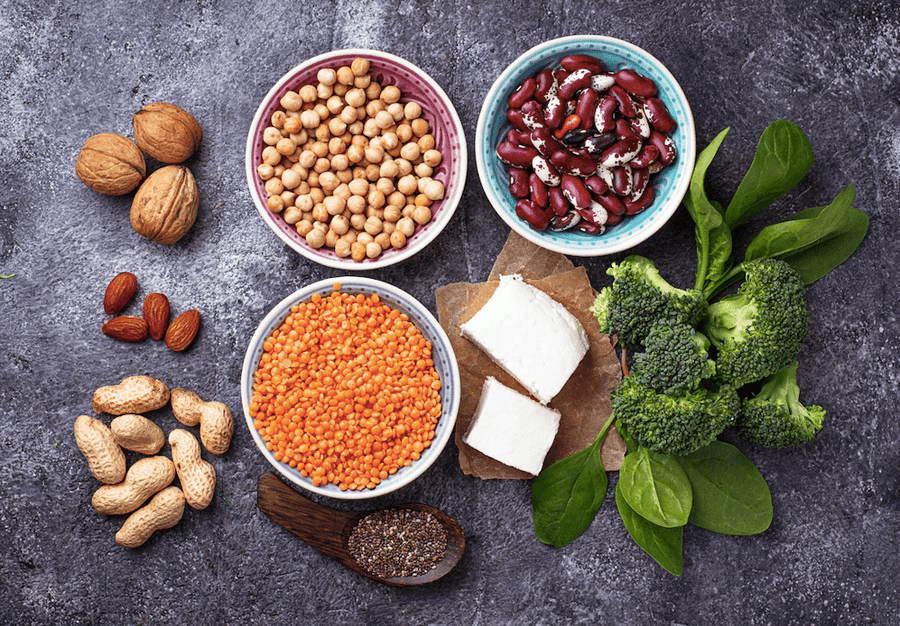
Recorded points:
(130, 328)
(182, 330)
(156, 312)
(119, 292)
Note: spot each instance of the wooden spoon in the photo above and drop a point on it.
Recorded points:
(328, 530)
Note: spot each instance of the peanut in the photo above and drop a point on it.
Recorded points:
(164, 511)
(145, 478)
(215, 419)
(135, 394)
(105, 458)
(137, 433)
(198, 478)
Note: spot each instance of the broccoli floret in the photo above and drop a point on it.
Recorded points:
(775, 418)
(639, 297)
(674, 424)
(761, 328)
(675, 359)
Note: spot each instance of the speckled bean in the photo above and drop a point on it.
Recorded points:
(575, 192)
(515, 155)
(636, 206)
(531, 213)
(574, 62)
(558, 203)
(658, 115)
(586, 106)
(523, 94)
(567, 162)
(635, 84)
(544, 142)
(518, 182)
(576, 81)
(665, 145)
(604, 120)
(545, 170)
(545, 86)
(532, 115)
(538, 191)
(626, 104)
(622, 151)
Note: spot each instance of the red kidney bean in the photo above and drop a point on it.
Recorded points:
(544, 141)
(648, 154)
(532, 114)
(602, 82)
(560, 75)
(623, 129)
(639, 123)
(612, 219)
(622, 180)
(612, 203)
(585, 107)
(518, 182)
(596, 185)
(519, 137)
(605, 174)
(655, 167)
(595, 213)
(558, 203)
(635, 84)
(665, 145)
(582, 62)
(531, 213)
(626, 104)
(604, 115)
(568, 162)
(621, 152)
(575, 192)
(545, 170)
(555, 111)
(633, 207)
(573, 83)
(518, 156)
(545, 86)
(522, 94)
(538, 191)
(565, 221)
(596, 143)
(658, 115)
(590, 228)
(640, 178)
(515, 118)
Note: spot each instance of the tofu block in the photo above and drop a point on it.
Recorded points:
(512, 428)
(530, 335)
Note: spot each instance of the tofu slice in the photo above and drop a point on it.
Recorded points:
(530, 335)
(512, 428)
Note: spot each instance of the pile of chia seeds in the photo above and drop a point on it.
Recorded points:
(398, 542)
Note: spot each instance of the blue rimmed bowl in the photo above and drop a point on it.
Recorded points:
(669, 185)
(444, 362)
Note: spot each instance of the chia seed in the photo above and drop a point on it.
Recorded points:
(398, 542)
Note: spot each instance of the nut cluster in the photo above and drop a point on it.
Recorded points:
(150, 477)
(154, 322)
(349, 164)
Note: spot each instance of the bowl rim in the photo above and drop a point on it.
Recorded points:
(450, 201)
(687, 154)
(386, 291)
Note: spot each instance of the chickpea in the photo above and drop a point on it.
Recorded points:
(389, 140)
(396, 111)
(383, 118)
(303, 188)
(373, 172)
(279, 170)
(407, 185)
(289, 197)
(358, 222)
(342, 191)
(374, 107)
(422, 215)
(385, 186)
(290, 179)
(337, 127)
(408, 210)
(364, 238)
(350, 236)
(392, 213)
(426, 142)
(322, 165)
(304, 203)
(404, 133)
(271, 136)
(307, 159)
(406, 168)
(360, 66)
(432, 157)
(275, 204)
(373, 225)
(390, 94)
(339, 89)
(423, 182)
(319, 148)
(355, 98)
(340, 224)
(342, 248)
(389, 169)
(304, 227)
(335, 205)
(320, 213)
(339, 162)
(410, 151)
(355, 153)
(331, 238)
(317, 195)
(373, 90)
(407, 226)
(328, 181)
(348, 115)
(424, 171)
(291, 101)
(344, 75)
(359, 187)
(315, 238)
(310, 119)
(362, 81)
(308, 94)
(412, 110)
(271, 156)
(434, 190)
(357, 251)
(397, 239)
(278, 118)
(345, 175)
(370, 128)
(419, 127)
(293, 126)
(265, 171)
(356, 204)
(274, 187)
(324, 91)
(357, 127)
(323, 133)
(373, 212)
(373, 250)
(301, 137)
(383, 240)
(292, 215)
(375, 199)
(374, 154)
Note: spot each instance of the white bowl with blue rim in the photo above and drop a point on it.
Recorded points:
(444, 363)
(669, 185)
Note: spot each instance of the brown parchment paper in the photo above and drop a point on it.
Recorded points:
(584, 400)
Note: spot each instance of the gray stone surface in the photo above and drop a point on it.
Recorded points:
(70, 70)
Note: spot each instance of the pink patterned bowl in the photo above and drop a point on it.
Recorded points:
(437, 109)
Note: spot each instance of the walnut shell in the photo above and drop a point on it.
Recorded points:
(165, 206)
(167, 132)
(110, 164)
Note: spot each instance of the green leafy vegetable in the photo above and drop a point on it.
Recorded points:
(656, 487)
(566, 496)
(783, 157)
(729, 494)
(8, 276)
(663, 544)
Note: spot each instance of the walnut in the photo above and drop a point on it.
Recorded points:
(165, 206)
(110, 164)
(167, 132)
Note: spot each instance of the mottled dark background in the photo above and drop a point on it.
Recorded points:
(72, 69)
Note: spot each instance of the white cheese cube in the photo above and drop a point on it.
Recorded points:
(530, 335)
(512, 428)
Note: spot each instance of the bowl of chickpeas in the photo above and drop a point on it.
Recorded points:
(356, 159)
(350, 388)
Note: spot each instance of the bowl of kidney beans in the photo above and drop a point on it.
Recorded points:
(585, 145)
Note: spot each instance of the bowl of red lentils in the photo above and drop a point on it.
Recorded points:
(350, 388)
(356, 159)
(585, 145)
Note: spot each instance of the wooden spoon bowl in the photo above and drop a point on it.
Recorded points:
(328, 530)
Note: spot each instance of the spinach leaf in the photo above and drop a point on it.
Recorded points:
(566, 495)
(712, 235)
(783, 157)
(814, 241)
(656, 487)
(663, 544)
(729, 494)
